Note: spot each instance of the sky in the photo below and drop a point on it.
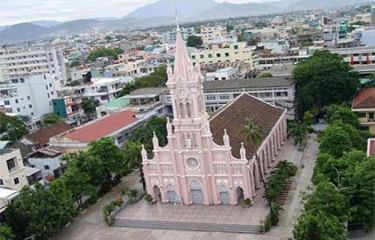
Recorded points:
(18, 11)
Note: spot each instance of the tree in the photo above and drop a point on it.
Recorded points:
(156, 79)
(104, 52)
(89, 106)
(322, 80)
(13, 128)
(51, 118)
(325, 213)
(354, 175)
(132, 154)
(6, 233)
(358, 181)
(194, 41)
(251, 132)
(78, 182)
(319, 226)
(343, 114)
(86, 163)
(308, 118)
(40, 213)
(144, 133)
(298, 131)
(335, 141)
(109, 156)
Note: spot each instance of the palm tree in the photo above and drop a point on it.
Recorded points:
(133, 158)
(252, 132)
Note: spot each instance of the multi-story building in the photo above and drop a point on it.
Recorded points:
(68, 107)
(19, 63)
(170, 36)
(210, 33)
(101, 89)
(49, 160)
(364, 105)
(29, 97)
(12, 171)
(354, 56)
(231, 52)
(276, 91)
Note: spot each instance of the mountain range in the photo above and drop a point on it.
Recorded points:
(158, 13)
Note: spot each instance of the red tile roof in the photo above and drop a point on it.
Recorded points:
(102, 127)
(365, 99)
(234, 116)
(43, 135)
(371, 147)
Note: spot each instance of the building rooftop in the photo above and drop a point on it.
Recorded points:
(102, 127)
(246, 83)
(47, 151)
(7, 193)
(43, 135)
(234, 115)
(365, 99)
(148, 92)
(118, 103)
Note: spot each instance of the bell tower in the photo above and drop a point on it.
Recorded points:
(185, 82)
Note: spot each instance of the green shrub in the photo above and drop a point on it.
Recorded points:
(247, 202)
(267, 223)
(148, 198)
(133, 193)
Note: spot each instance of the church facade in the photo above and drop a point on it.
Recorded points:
(207, 161)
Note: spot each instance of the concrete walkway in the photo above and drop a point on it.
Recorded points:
(300, 186)
(91, 226)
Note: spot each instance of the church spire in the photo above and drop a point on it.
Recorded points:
(183, 67)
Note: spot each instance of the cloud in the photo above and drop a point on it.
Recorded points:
(17, 11)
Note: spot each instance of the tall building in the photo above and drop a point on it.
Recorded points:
(18, 63)
(373, 15)
(206, 160)
(29, 97)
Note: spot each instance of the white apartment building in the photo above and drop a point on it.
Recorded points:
(170, 36)
(12, 171)
(227, 73)
(30, 97)
(231, 52)
(18, 63)
(210, 33)
(101, 89)
(130, 68)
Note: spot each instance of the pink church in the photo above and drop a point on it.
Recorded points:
(205, 160)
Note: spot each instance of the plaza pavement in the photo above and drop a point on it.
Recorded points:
(91, 226)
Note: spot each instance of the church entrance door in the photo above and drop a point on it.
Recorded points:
(224, 195)
(171, 193)
(157, 193)
(239, 193)
(196, 193)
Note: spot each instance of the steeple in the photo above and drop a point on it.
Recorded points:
(183, 67)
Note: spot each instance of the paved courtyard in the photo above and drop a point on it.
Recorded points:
(238, 215)
(90, 225)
